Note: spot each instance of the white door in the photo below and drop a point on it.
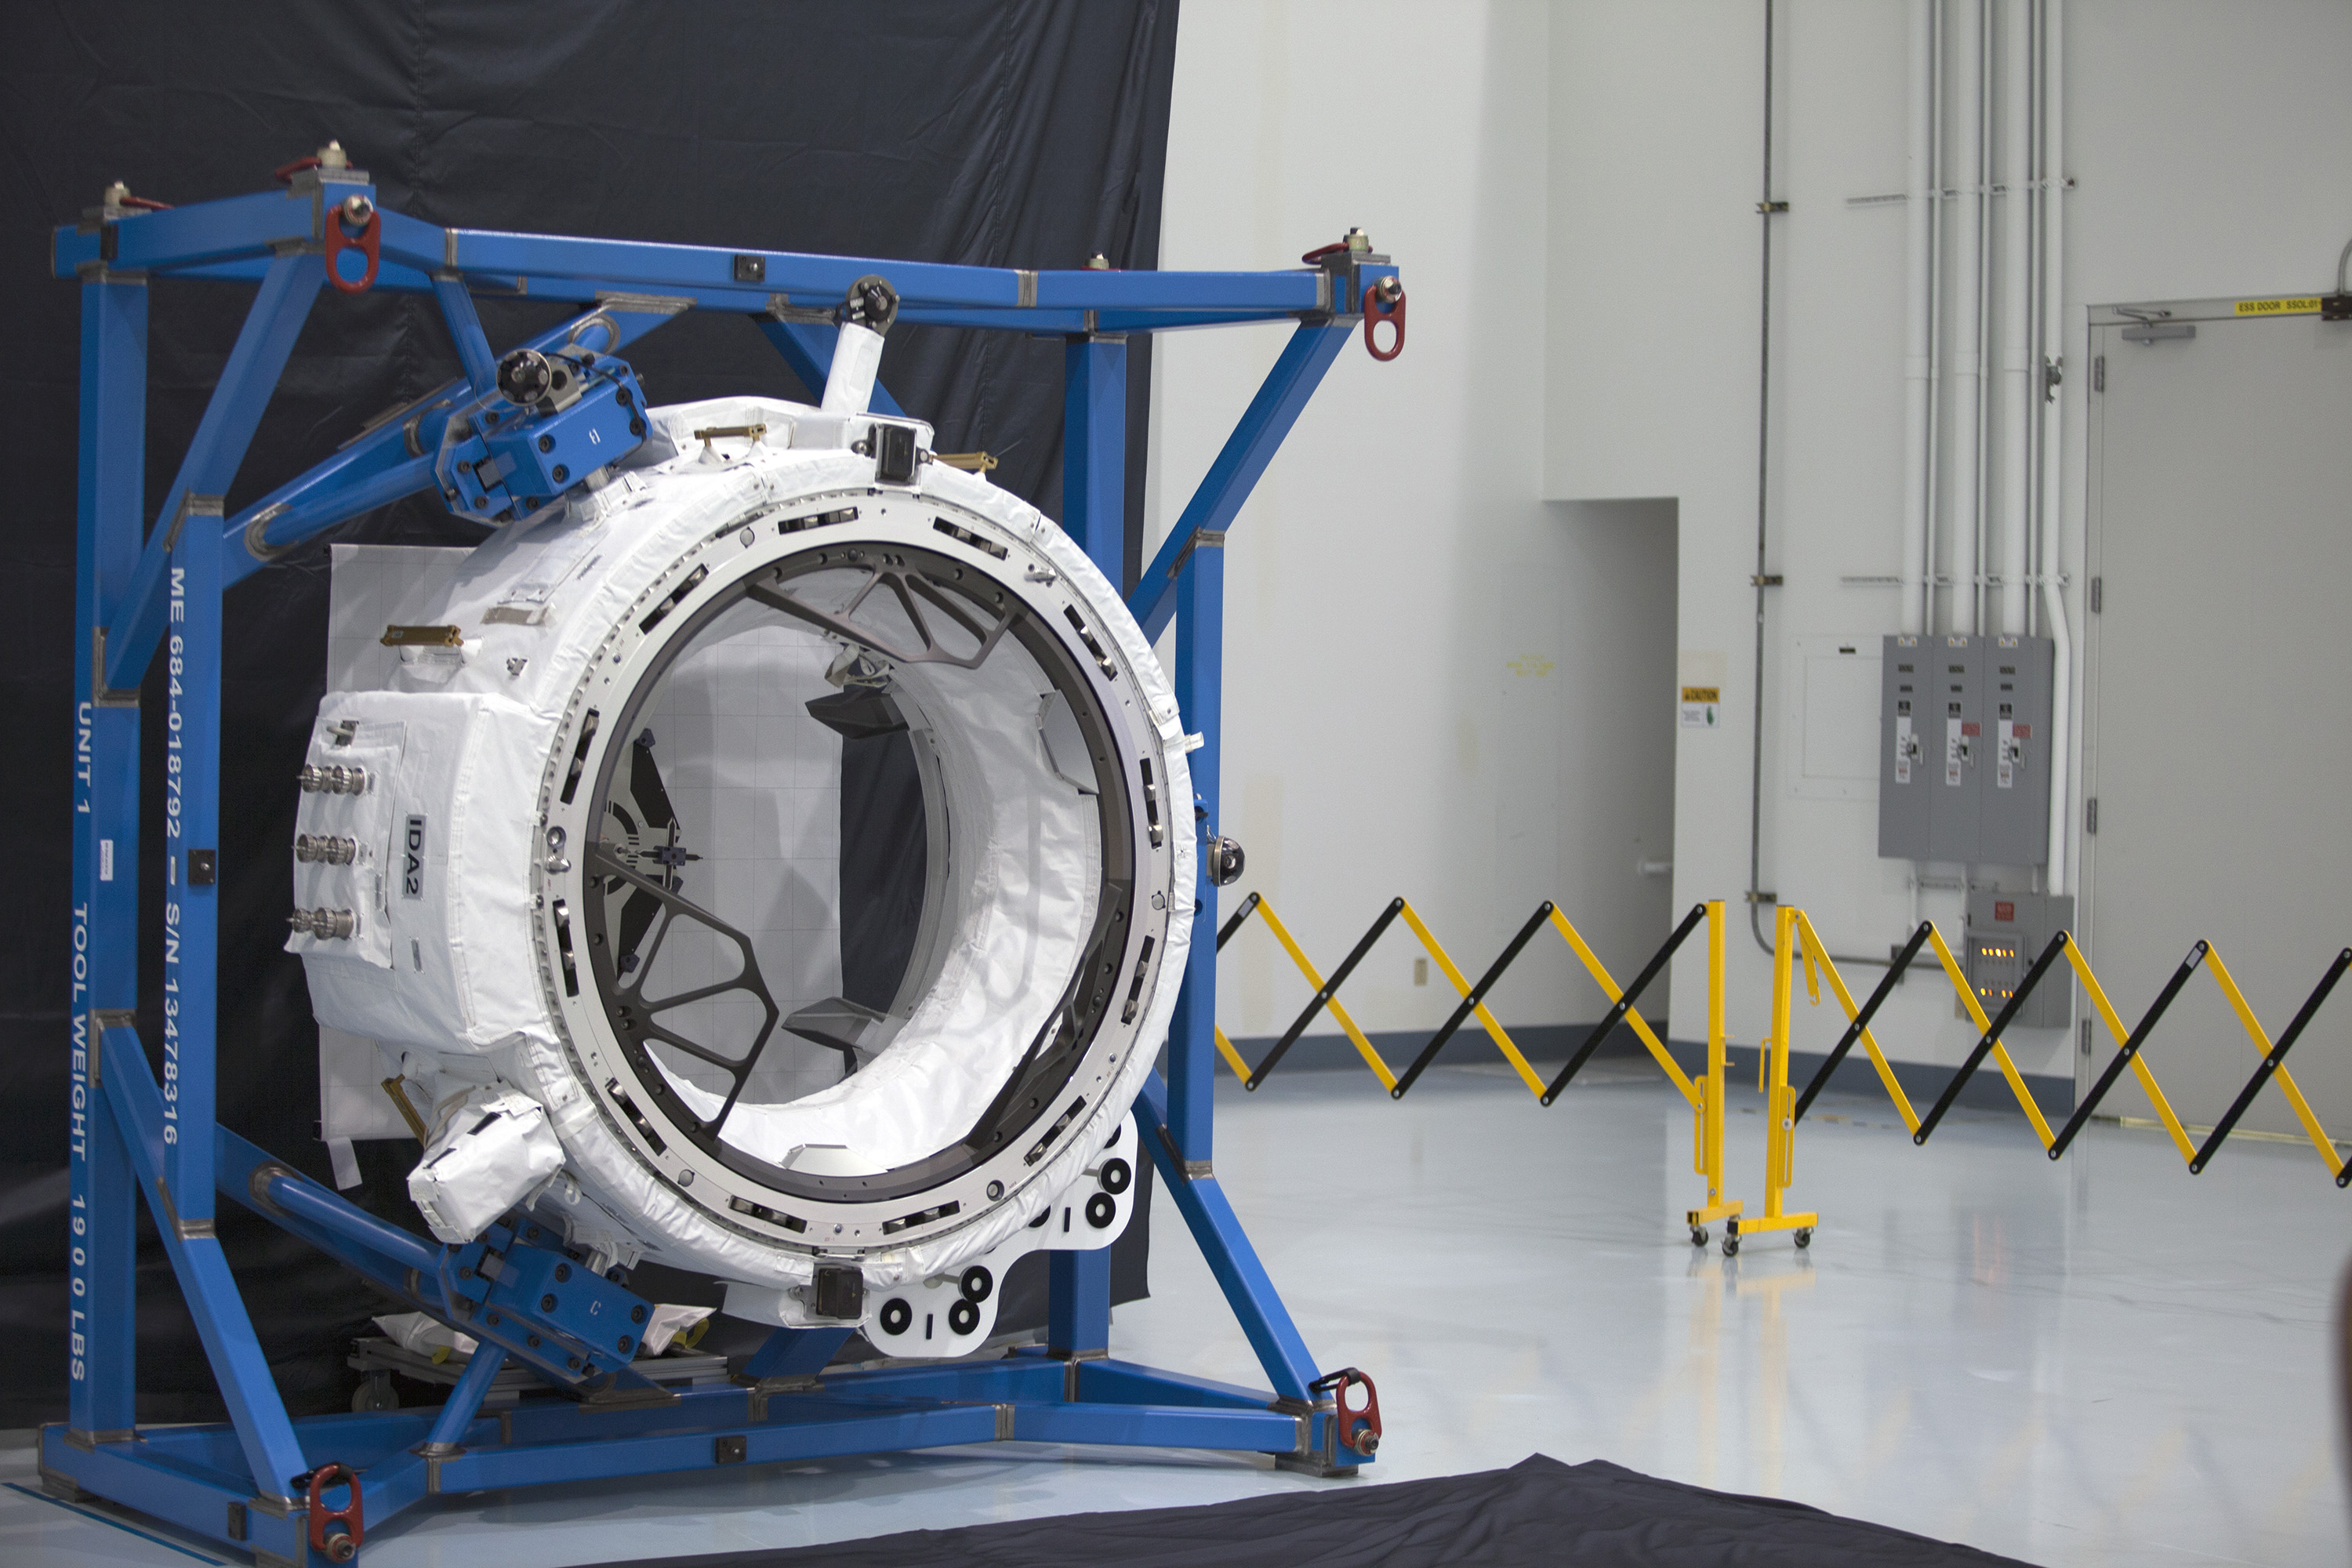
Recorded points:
(2220, 720)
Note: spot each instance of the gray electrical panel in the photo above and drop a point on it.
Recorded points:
(1903, 780)
(1955, 746)
(1961, 773)
(2006, 932)
(2015, 780)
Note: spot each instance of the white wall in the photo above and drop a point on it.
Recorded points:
(2206, 142)
(1426, 663)
(1570, 190)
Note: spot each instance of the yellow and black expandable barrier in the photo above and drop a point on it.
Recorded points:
(1800, 943)
(1706, 1096)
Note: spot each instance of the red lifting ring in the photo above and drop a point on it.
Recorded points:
(1384, 302)
(1358, 1428)
(344, 1544)
(340, 238)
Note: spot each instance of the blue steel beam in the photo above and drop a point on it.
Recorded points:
(1094, 452)
(201, 232)
(102, 1194)
(1252, 446)
(191, 857)
(253, 369)
(796, 1353)
(466, 332)
(1248, 1288)
(1199, 697)
(264, 1435)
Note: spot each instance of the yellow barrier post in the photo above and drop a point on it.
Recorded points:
(1707, 1116)
(1780, 1107)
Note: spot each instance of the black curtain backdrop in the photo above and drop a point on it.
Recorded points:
(1013, 134)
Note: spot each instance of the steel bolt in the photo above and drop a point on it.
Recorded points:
(547, 1302)
(547, 443)
(625, 1342)
(636, 1314)
(563, 1272)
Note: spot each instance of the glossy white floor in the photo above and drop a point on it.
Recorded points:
(2102, 1362)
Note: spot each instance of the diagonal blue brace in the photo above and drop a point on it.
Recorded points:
(1248, 1288)
(263, 1429)
(796, 1353)
(238, 400)
(465, 331)
(449, 1434)
(1279, 401)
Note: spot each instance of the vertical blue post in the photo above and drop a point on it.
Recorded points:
(192, 662)
(1094, 513)
(101, 1341)
(1094, 452)
(1200, 669)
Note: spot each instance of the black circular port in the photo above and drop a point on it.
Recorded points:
(963, 1317)
(977, 1283)
(1117, 1175)
(896, 1316)
(1101, 1209)
(524, 376)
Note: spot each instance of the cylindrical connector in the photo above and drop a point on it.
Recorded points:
(332, 778)
(333, 849)
(335, 924)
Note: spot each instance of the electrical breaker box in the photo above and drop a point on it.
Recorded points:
(1964, 722)
(1902, 772)
(2014, 782)
(2006, 932)
(1954, 745)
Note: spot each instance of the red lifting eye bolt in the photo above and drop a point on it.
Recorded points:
(353, 225)
(1359, 1428)
(342, 1544)
(1384, 302)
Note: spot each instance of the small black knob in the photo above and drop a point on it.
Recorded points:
(524, 376)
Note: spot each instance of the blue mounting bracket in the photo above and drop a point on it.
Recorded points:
(255, 1482)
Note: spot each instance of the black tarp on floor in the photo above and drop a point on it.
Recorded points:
(1539, 1512)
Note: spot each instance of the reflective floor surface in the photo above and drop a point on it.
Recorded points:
(2101, 1361)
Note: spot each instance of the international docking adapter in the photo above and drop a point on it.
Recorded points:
(531, 846)
(576, 824)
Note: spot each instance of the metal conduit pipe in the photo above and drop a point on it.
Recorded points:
(2053, 428)
(2016, 421)
(1764, 209)
(1918, 360)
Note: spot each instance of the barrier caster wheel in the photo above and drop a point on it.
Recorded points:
(1805, 1236)
(1698, 1236)
(376, 1393)
(1731, 1247)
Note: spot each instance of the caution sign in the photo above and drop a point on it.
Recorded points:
(1699, 707)
(2304, 306)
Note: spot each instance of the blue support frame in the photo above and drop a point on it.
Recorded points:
(142, 595)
